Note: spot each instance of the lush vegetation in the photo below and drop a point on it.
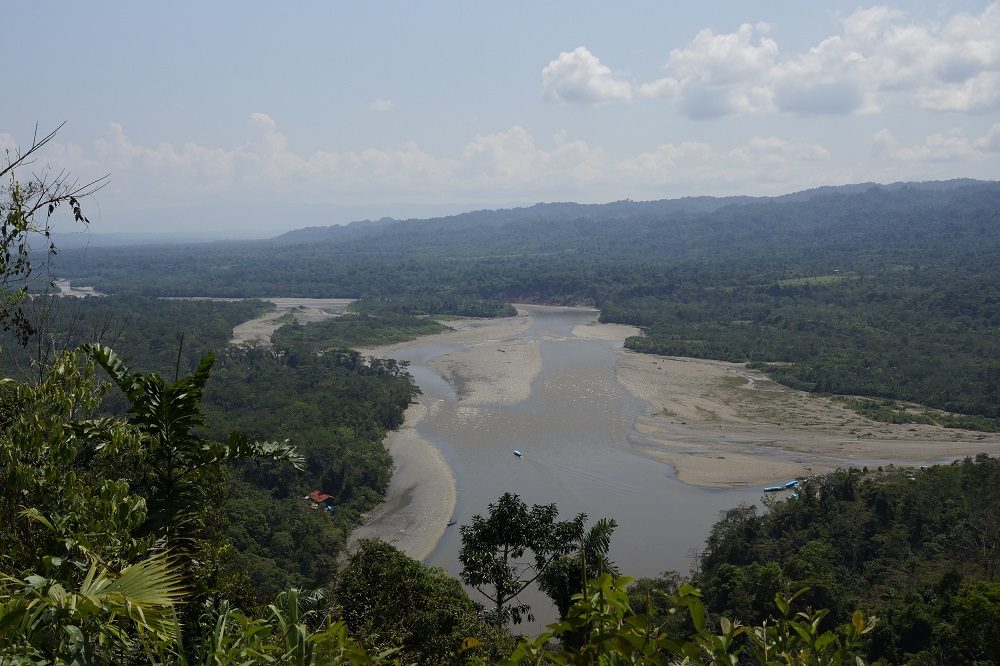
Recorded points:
(920, 549)
(884, 292)
(108, 554)
(335, 408)
(351, 330)
(436, 305)
(166, 336)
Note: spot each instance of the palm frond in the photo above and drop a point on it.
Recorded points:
(239, 446)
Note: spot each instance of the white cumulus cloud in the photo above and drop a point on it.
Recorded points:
(718, 75)
(579, 76)
(878, 55)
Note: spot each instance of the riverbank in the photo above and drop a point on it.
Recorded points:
(421, 495)
(721, 425)
(491, 363)
(302, 310)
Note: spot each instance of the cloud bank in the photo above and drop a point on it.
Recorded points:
(490, 169)
(878, 56)
(500, 166)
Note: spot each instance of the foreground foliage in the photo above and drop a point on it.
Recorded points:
(335, 408)
(614, 634)
(493, 549)
(918, 548)
(101, 516)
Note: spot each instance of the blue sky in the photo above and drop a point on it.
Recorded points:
(213, 116)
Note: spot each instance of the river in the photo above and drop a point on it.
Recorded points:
(575, 431)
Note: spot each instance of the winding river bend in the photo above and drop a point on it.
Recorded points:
(575, 431)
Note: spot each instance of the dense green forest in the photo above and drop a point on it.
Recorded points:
(920, 549)
(886, 292)
(335, 408)
(148, 331)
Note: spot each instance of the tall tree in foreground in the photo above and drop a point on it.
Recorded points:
(493, 551)
(567, 574)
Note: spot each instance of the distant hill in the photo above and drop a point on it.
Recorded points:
(85, 239)
(580, 250)
(568, 211)
(541, 212)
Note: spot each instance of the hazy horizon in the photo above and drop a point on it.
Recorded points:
(413, 110)
(300, 216)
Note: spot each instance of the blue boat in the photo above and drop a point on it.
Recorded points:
(794, 483)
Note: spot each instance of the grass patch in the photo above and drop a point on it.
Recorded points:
(893, 411)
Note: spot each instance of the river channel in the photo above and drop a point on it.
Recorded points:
(575, 433)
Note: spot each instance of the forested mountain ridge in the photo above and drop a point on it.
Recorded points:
(568, 211)
(541, 212)
(752, 241)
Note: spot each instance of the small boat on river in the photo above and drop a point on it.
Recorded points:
(773, 489)
(517, 452)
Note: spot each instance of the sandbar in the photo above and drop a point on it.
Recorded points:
(720, 424)
(303, 310)
(717, 424)
(421, 495)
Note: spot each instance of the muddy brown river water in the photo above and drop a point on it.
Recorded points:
(575, 432)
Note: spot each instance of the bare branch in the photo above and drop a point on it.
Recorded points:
(36, 145)
(20, 202)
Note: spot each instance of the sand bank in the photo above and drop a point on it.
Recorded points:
(720, 424)
(492, 372)
(491, 364)
(597, 331)
(302, 310)
(421, 495)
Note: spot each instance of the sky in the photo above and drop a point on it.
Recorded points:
(251, 118)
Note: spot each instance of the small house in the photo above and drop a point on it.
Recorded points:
(319, 497)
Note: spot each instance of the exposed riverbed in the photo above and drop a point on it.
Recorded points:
(554, 396)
